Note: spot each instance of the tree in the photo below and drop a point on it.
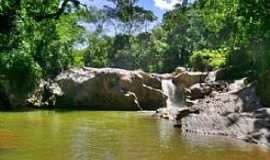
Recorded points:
(128, 15)
(36, 40)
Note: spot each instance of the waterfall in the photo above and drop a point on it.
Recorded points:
(174, 94)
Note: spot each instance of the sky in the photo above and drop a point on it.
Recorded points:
(158, 7)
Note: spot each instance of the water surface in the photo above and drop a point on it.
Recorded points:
(50, 135)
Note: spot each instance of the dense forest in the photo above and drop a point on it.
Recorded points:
(40, 38)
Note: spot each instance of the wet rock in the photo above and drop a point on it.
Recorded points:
(166, 113)
(175, 113)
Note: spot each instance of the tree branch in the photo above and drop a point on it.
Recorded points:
(59, 12)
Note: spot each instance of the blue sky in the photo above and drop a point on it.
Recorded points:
(149, 4)
(159, 7)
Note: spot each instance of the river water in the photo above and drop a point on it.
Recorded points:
(51, 135)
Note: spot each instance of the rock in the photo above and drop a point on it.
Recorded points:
(108, 88)
(179, 70)
(238, 85)
(237, 114)
(187, 79)
(220, 74)
(191, 102)
(262, 112)
(227, 102)
(163, 76)
(199, 91)
(233, 125)
(184, 112)
(216, 75)
(175, 113)
(88, 88)
(43, 95)
(151, 80)
(166, 113)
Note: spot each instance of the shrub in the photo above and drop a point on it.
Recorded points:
(208, 59)
(19, 71)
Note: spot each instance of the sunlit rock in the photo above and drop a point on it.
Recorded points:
(109, 88)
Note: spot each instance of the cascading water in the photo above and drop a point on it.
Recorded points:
(174, 94)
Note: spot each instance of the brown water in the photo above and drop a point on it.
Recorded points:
(49, 135)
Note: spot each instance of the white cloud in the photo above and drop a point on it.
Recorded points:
(166, 4)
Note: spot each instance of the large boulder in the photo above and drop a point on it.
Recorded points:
(187, 79)
(108, 88)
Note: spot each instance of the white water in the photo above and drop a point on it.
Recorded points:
(175, 95)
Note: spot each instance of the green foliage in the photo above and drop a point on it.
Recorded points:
(209, 59)
(19, 71)
(36, 41)
(96, 55)
(39, 39)
(143, 51)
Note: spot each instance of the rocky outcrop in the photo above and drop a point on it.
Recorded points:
(44, 95)
(187, 79)
(201, 90)
(108, 88)
(234, 111)
(91, 88)
(214, 106)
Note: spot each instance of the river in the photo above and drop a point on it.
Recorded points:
(90, 135)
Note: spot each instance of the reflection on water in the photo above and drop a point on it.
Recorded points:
(49, 135)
